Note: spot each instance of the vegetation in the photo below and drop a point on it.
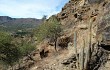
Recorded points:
(14, 24)
(26, 48)
(2, 28)
(9, 53)
(44, 18)
(50, 29)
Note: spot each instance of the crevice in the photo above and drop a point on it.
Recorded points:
(100, 58)
(105, 47)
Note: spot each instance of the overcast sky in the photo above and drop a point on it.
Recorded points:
(30, 8)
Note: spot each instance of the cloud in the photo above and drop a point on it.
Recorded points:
(30, 8)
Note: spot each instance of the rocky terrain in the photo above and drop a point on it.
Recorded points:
(87, 18)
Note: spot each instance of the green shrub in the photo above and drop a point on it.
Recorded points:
(26, 48)
(9, 53)
(5, 38)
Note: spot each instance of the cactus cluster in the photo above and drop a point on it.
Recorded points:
(84, 56)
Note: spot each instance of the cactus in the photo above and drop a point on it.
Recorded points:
(90, 36)
(79, 61)
(86, 56)
(75, 46)
(89, 48)
(81, 56)
(86, 52)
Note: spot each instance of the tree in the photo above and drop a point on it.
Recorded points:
(44, 18)
(50, 29)
(54, 30)
(9, 53)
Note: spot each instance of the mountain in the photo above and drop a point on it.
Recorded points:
(85, 40)
(13, 24)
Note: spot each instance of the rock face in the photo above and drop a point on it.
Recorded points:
(104, 30)
(76, 17)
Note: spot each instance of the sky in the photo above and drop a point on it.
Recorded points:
(30, 8)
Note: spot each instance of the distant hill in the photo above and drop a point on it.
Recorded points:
(13, 24)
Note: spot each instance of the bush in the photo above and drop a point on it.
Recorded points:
(9, 53)
(4, 38)
(26, 48)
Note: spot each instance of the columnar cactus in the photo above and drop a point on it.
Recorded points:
(75, 46)
(90, 39)
(86, 51)
(89, 47)
(81, 56)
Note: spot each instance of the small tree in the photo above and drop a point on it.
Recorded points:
(44, 17)
(49, 29)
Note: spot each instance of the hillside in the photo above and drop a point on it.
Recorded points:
(15, 24)
(89, 19)
(84, 43)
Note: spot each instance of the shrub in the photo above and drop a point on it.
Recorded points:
(4, 38)
(9, 53)
(26, 48)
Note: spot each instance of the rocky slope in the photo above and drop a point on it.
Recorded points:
(77, 16)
